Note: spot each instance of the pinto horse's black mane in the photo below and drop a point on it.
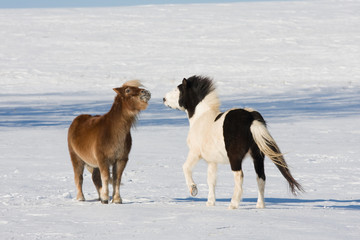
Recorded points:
(193, 90)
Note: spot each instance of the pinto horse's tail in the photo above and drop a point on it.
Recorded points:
(268, 146)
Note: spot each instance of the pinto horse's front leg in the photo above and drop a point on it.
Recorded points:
(188, 166)
(211, 180)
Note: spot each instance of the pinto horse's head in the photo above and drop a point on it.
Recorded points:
(190, 93)
(133, 96)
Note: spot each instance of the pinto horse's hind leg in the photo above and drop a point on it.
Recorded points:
(258, 158)
(236, 159)
(78, 166)
(118, 170)
(238, 190)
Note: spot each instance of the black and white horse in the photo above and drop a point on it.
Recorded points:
(224, 137)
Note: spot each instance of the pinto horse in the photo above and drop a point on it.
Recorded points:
(224, 137)
(101, 142)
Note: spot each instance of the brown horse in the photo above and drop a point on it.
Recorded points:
(101, 142)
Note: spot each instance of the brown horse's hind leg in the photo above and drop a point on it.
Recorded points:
(78, 166)
(118, 170)
(95, 175)
(97, 179)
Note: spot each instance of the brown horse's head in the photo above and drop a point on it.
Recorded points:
(133, 96)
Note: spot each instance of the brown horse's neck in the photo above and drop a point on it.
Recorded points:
(119, 114)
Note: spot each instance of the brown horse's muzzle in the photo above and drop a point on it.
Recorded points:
(145, 95)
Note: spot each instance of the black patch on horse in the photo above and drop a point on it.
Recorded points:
(192, 91)
(238, 139)
(218, 116)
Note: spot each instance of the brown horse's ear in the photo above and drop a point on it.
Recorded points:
(117, 90)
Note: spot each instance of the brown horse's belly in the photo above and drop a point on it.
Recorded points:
(87, 155)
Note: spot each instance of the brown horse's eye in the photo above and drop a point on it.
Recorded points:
(127, 90)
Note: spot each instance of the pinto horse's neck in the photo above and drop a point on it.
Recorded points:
(207, 109)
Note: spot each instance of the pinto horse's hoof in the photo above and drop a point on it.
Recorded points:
(194, 190)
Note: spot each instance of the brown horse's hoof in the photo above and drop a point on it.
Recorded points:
(117, 200)
(105, 201)
(80, 197)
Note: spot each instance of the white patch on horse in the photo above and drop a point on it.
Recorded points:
(238, 189)
(206, 136)
(261, 190)
(171, 99)
(211, 180)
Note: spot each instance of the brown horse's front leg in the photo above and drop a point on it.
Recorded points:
(105, 175)
(118, 170)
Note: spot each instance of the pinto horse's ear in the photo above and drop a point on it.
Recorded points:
(184, 82)
(117, 90)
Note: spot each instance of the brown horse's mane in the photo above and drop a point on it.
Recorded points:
(133, 83)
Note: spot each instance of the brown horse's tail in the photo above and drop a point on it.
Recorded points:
(268, 146)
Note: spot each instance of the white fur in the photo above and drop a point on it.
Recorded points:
(211, 180)
(238, 190)
(264, 140)
(172, 99)
(261, 187)
(205, 136)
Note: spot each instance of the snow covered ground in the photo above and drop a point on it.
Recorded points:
(297, 62)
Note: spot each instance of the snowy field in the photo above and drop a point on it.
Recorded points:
(298, 63)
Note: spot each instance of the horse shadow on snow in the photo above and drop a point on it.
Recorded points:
(286, 202)
(58, 110)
